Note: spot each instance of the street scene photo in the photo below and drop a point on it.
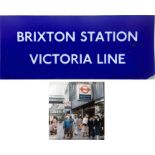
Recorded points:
(76, 110)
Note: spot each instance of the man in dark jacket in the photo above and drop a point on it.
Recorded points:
(97, 126)
(90, 125)
(102, 127)
(71, 127)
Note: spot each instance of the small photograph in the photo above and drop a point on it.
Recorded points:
(76, 110)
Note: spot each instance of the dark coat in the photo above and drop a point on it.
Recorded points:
(102, 127)
(90, 124)
(97, 126)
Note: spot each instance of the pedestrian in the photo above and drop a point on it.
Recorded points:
(90, 126)
(80, 123)
(102, 126)
(75, 124)
(67, 126)
(97, 127)
(71, 127)
(54, 126)
(93, 129)
(84, 125)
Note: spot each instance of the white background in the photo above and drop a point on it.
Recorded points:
(129, 104)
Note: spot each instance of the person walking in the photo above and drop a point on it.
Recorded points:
(93, 129)
(79, 123)
(90, 127)
(75, 124)
(71, 127)
(102, 127)
(54, 124)
(97, 127)
(84, 125)
(67, 126)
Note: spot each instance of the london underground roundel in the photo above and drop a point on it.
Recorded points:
(84, 89)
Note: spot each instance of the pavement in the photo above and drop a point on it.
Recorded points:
(60, 134)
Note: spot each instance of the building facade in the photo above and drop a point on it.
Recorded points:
(86, 97)
(56, 103)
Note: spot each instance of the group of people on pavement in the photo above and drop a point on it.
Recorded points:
(96, 127)
(87, 126)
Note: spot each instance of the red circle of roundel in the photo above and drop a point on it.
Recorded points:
(84, 89)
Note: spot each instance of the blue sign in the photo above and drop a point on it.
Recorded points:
(76, 47)
(84, 97)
